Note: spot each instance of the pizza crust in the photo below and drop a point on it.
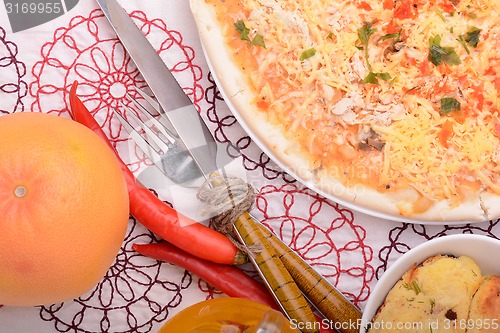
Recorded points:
(288, 155)
(491, 205)
(239, 98)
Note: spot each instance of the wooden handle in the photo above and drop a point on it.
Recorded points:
(325, 297)
(274, 273)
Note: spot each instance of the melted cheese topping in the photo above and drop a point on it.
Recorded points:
(324, 103)
(429, 295)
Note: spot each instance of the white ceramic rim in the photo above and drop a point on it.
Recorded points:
(478, 247)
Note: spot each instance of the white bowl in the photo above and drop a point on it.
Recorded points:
(483, 249)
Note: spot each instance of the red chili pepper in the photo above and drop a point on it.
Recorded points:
(229, 279)
(157, 216)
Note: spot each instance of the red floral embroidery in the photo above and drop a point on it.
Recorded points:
(95, 58)
(12, 85)
(326, 235)
(126, 298)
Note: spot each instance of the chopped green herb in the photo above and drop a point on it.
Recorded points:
(389, 36)
(384, 76)
(442, 54)
(412, 89)
(364, 35)
(413, 286)
(366, 32)
(373, 77)
(242, 29)
(244, 34)
(396, 36)
(449, 104)
(416, 287)
(440, 14)
(330, 35)
(307, 54)
(471, 37)
(472, 15)
(392, 81)
(433, 304)
(461, 40)
(258, 40)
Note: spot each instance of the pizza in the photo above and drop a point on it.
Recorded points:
(388, 106)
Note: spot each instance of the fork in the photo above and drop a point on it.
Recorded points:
(161, 144)
(156, 138)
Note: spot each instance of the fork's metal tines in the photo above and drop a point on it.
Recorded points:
(167, 125)
(157, 141)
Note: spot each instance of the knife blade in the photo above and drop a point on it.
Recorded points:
(177, 106)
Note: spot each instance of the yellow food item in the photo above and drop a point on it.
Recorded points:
(65, 209)
(223, 315)
(432, 297)
(484, 316)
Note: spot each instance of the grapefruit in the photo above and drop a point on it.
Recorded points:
(64, 207)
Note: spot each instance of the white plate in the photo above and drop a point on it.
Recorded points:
(481, 249)
(263, 135)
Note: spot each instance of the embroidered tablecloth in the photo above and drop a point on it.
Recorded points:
(138, 294)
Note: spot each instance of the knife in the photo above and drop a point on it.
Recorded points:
(178, 108)
(184, 118)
